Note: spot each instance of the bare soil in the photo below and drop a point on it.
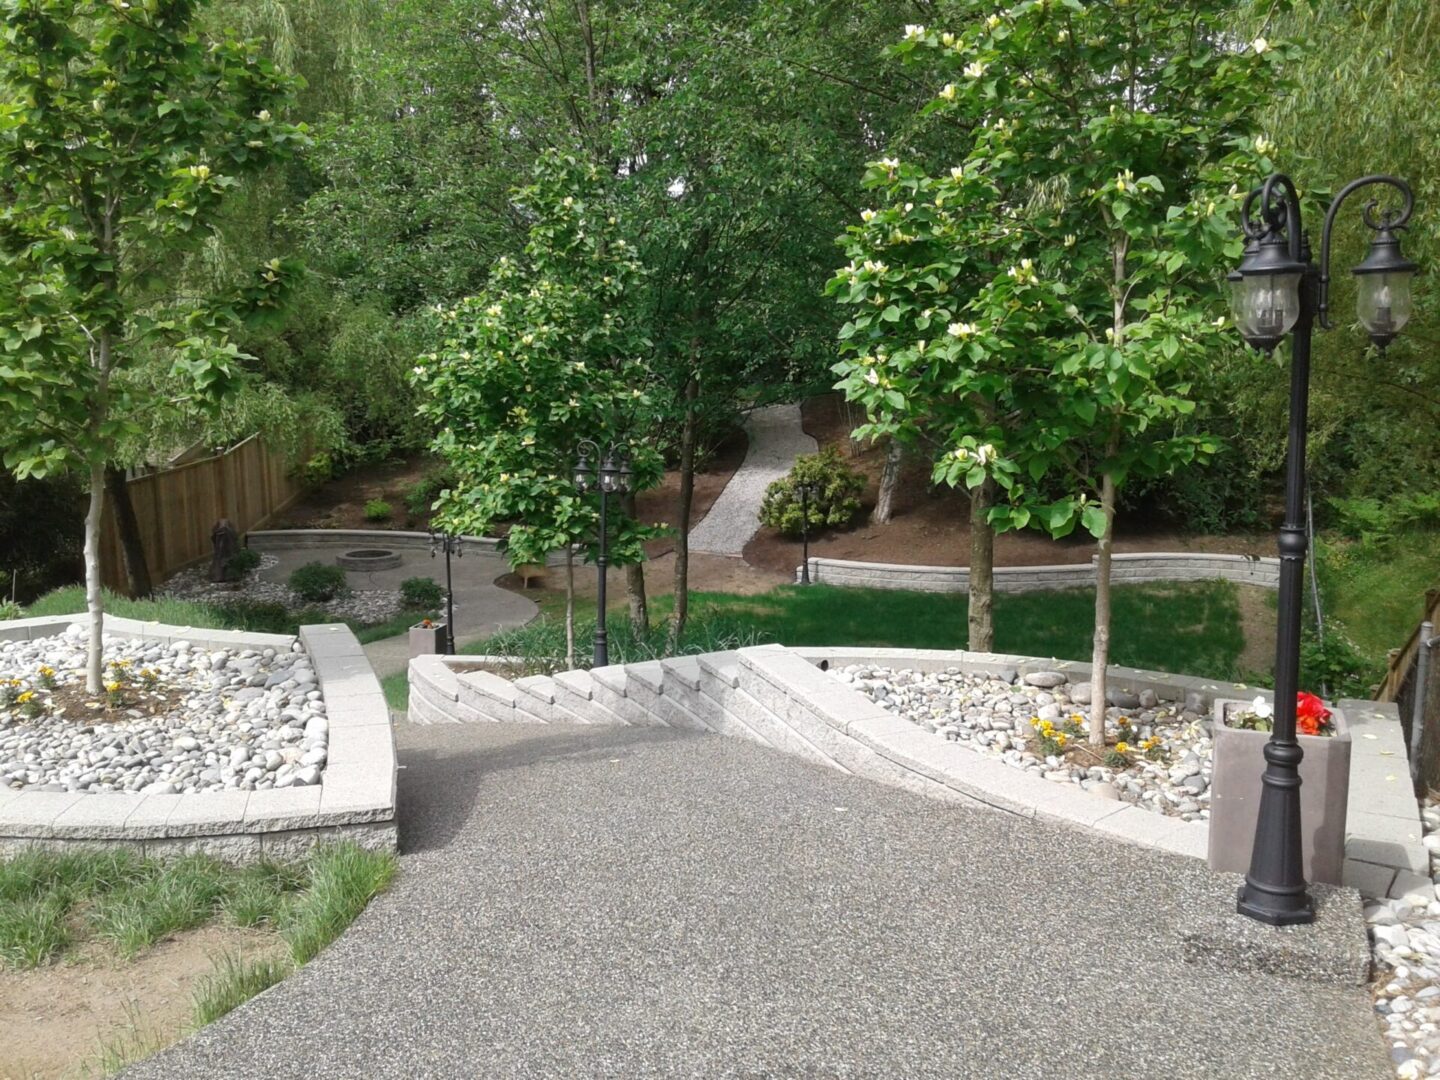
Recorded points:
(930, 525)
(340, 503)
(57, 1019)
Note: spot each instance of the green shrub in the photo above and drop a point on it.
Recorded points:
(834, 499)
(241, 563)
(421, 594)
(1375, 522)
(9, 609)
(316, 582)
(420, 495)
(377, 510)
(1336, 666)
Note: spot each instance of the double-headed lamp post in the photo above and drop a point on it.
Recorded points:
(450, 544)
(1278, 290)
(807, 491)
(612, 476)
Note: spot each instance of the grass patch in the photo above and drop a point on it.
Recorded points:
(33, 931)
(1376, 591)
(138, 1041)
(397, 690)
(343, 879)
(181, 896)
(234, 983)
(1191, 628)
(251, 618)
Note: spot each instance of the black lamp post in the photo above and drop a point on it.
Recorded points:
(1278, 290)
(450, 544)
(805, 489)
(613, 476)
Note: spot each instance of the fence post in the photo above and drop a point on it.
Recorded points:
(1422, 684)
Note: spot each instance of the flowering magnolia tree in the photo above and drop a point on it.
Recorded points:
(121, 136)
(549, 354)
(1036, 307)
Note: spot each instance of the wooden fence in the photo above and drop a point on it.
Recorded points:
(176, 508)
(1403, 659)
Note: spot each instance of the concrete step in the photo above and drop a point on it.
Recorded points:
(610, 686)
(491, 697)
(646, 686)
(430, 704)
(681, 685)
(536, 698)
(575, 690)
(760, 718)
(719, 680)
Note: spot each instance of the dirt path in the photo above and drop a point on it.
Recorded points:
(58, 1019)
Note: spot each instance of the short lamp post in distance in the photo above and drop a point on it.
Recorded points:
(1278, 290)
(611, 476)
(450, 544)
(807, 490)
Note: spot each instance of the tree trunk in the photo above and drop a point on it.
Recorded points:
(94, 600)
(137, 572)
(635, 584)
(982, 568)
(570, 606)
(682, 534)
(889, 480)
(1100, 659)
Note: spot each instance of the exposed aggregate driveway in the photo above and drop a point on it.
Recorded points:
(629, 902)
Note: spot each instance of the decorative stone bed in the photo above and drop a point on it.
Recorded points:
(162, 784)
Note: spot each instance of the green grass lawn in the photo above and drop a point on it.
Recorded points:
(255, 618)
(1377, 593)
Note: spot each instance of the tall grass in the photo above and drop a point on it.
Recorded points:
(342, 880)
(235, 982)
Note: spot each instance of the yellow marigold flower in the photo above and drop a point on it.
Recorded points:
(1122, 748)
(112, 686)
(27, 696)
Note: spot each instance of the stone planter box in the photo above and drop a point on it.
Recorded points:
(428, 640)
(1235, 795)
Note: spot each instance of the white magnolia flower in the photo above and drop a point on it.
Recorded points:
(493, 311)
(1024, 273)
(975, 69)
(872, 377)
(948, 40)
(957, 172)
(992, 22)
(419, 369)
(948, 93)
(985, 454)
(1261, 46)
(961, 454)
(875, 267)
(1062, 36)
(568, 201)
(961, 330)
(1069, 240)
(889, 163)
(914, 32)
(1264, 147)
(867, 216)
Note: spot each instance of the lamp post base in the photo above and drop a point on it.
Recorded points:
(1274, 910)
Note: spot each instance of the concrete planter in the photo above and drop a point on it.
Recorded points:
(1235, 795)
(428, 640)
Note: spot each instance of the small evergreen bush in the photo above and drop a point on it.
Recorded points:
(421, 594)
(835, 494)
(316, 582)
(420, 495)
(377, 510)
(241, 563)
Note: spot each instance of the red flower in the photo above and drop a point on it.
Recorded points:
(1311, 716)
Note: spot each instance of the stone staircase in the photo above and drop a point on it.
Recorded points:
(782, 699)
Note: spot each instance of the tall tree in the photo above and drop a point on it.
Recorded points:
(121, 137)
(1107, 148)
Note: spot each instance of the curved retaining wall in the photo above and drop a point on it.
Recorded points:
(1124, 569)
(781, 698)
(355, 799)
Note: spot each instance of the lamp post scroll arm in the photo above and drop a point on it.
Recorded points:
(1390, 219)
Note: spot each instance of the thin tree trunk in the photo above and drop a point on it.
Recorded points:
(682, 534)
(570, 606)
(1100, 659)
(137, 572)
(982, 568)
(94, 600)
(889, 480)
(635, 585)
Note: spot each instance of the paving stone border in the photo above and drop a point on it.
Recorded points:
(1125, 570)
(290, 539)
(355, 799)
(781, 697)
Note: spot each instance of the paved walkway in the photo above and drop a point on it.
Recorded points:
(638, 902)
(776, 440)
(481, 606)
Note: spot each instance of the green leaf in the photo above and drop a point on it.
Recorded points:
(1093, 519)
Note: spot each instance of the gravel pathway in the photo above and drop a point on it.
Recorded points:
(776, 440)
(642, 902)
